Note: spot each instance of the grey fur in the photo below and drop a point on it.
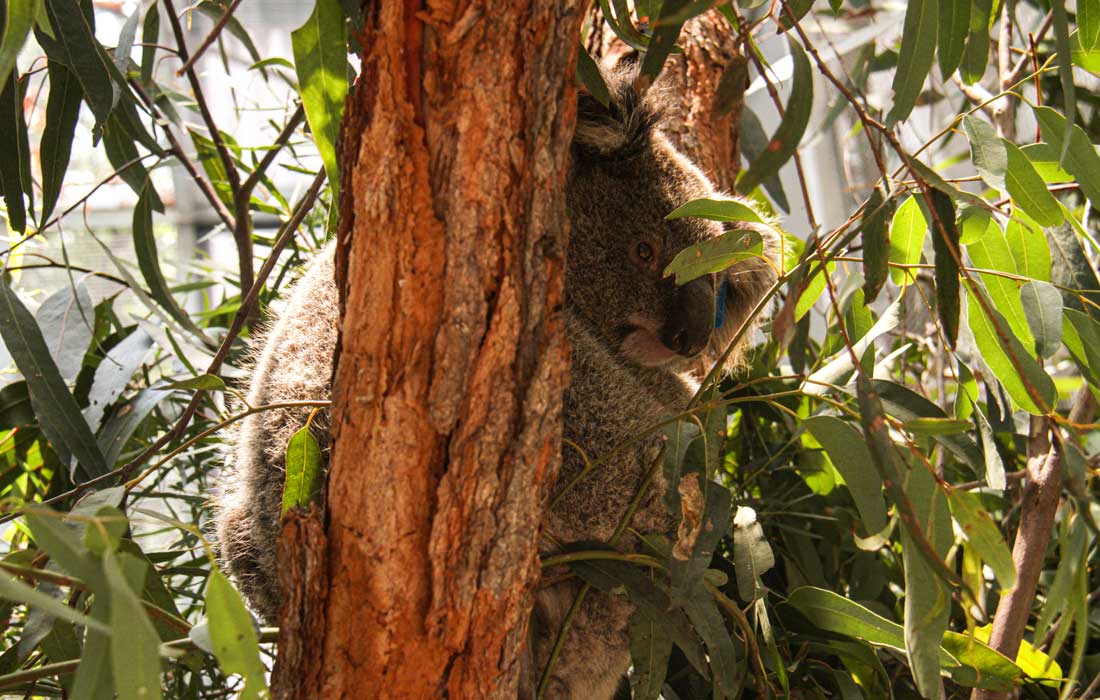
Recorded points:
(624, 178)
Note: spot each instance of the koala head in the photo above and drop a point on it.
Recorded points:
(625, 178)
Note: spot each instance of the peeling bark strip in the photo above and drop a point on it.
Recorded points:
(449, 380)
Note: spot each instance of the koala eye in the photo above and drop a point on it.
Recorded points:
(645, 252)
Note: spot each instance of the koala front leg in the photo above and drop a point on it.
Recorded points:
(596, 653)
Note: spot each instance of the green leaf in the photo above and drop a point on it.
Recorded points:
(945, 245)
(135, 659)
(588, 75)
(976, 54)
(927, 597)
(121, 426)
(797, 7)
(236, 645)
(983, 535)
(755, 143)
(1044, 158)
(13, 590)
(57, 411)
(150, 35)
(321, 60)
(835, 613)
(215, 10)
(62, 541)
(1072, 269)
(724, 210)
(93, 679)
(1088, 23)
(76, 47)
(65, 319)
(991, 252)
(104, 532)
(1042, 303)
(1084, 343)
(18, 17)
(715, 255)
(874, 232)
(752, 555)
(707, 620)
(1010, 361)
(118, 142)
(988, 153)
(203, 382)
(650, 647)
(954, 24)
(1065, 67)
(787, 136)
(62, 110)
(1029, 247)
(666, 30)
(918, 47)
(148, 259)
(1078, 156)
(907, 231)
(303, 470)
(848, 452)
(12, 154)
(1027, 189)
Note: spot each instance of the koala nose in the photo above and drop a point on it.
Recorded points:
(690, 318)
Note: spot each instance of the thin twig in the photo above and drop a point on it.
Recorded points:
(222, 21)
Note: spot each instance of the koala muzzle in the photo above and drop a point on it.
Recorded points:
(690, 318)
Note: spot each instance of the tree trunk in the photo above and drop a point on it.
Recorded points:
(706, 87)
(452, 360)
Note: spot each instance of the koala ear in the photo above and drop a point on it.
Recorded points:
(622, 128)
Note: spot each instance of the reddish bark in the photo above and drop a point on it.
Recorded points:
(448, 385)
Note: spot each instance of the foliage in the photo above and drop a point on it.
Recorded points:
(849, 495)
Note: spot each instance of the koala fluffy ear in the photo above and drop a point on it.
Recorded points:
(620, 129)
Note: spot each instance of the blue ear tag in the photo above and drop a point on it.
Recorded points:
(720, 314)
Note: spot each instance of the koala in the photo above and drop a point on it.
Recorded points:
(635, 336)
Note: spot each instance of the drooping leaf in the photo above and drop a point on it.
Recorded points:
(754, 143)
(1071, 268)
(233, 635)
(321, 61)
(62, 110)
(1045, 159)
(119, 427)
(588, 75)
(707, 621)
(991, 252)
(927, 597)
(1065, 67)
(1012, 363)
(838, 367)
(145, 246)
(666, 30)
(17, 17)
(150, 35)
(966, 404)
(976, 53)
(1028, 246)
(11, 589)
(945, 245)
(798, 8)
(907, 230)
(848, 452)
(918, 47)
(752, 555)
(1088, 23)
(114, 372)
(1042, 303)
(303, 470)
(1082, 338)
(135, 661)
(104, 532)
(650, 648)
(988, 152)
(65, 319)
(787, 136)
(954, 24)
(76, 47)
(875, 234)
(12, 153)
(93, 677)
(1027, 189)
(1078, 156)
(57, 410)
(714, 255)
(983, 535)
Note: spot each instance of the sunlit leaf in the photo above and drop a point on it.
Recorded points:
(988, 152)
(715, 255)
(907, 231)
(1077, 155)
(983, 535)
(233, 635)
(1065, 69)
(1042, 303)
(875, 235)
(17, 17)
(1027, 189)
(303, 470)
(954, 23)
(717, 210)
(918, 47)
(786, 138)
(57, 410)
(321, 60)
(135, 661)
(1088, 23)
(976, 53)
(848, 452)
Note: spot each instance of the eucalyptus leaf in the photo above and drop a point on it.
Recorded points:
(918, 47)
(321, 61)
(1042, 303)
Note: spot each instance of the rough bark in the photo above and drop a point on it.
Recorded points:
(705, 85)
(453, 360)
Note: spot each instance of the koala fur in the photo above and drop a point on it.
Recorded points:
(635, 336)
